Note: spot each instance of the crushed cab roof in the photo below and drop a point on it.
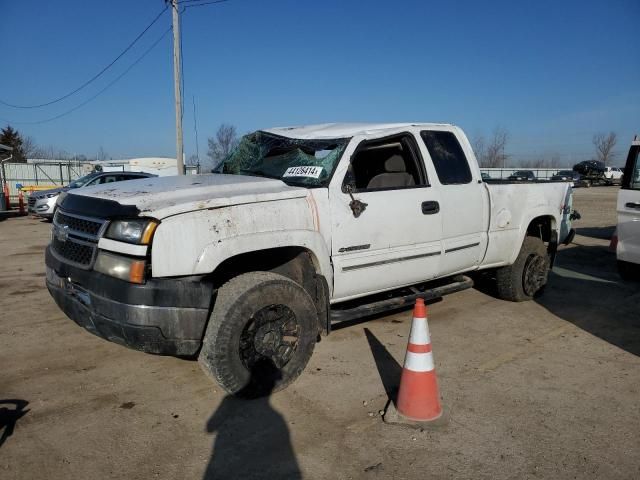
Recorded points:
(345, 130)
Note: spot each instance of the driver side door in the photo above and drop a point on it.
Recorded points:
(386, 220)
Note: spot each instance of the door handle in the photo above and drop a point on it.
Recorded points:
(430, 207)
(633, 205)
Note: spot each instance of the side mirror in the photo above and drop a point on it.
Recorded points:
(357, 207)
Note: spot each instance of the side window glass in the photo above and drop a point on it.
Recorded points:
(448, 158)
(94, 182)
(389, 163)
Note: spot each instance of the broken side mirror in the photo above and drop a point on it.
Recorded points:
(357, 207)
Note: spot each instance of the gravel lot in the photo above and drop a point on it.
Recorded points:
(544, 389)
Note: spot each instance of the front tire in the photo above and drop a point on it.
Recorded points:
(527, 276)
(260, 335)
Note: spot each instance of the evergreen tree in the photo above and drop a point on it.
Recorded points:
(12, 138)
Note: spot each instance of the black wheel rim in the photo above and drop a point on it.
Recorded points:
(272, 333)
(535, 274)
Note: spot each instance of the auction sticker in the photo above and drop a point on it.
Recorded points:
(311, 172)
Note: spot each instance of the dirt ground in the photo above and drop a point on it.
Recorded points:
(543, 389)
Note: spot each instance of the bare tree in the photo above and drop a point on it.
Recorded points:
(225, 140)
(50, 153)
(552, 161)
(555, 161)
(493, 154)
(102, 154)
(479, 148)
(29, 147)
(539, 162)
(604, 146)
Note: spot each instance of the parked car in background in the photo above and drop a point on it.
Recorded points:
(523, 175)
(628, 246)
(592, 173)
(613, 175)
(43, 204)
(567, 176)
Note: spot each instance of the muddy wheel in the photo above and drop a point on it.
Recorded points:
(261, 334)
(527, 276)
(629, 271)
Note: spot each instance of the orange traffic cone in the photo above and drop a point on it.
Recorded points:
(21, 203)
(418, 397)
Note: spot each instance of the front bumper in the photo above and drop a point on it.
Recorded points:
(163, 316)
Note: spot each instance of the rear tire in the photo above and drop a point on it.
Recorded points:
(261, 334)
(527, 276)
(629, 271)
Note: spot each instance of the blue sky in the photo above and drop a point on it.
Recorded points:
(551, 73)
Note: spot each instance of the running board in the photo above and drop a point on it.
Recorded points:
(458, 283)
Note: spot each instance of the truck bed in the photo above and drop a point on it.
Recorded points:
(513, 206)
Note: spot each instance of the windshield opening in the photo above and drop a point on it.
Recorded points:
(308, 163)
(83, 180)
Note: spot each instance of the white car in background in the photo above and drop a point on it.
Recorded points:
(43, 203)
(613, 175)
(628, 247)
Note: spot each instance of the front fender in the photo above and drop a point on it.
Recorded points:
(215, 253)
(198, 242)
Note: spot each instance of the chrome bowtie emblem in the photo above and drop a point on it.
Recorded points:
(62, 233)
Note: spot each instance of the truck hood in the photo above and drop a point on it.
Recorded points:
(163, 197)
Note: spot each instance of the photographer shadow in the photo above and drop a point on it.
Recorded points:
(10, 416)
(251, 438)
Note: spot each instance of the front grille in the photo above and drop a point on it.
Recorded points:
(72, 251)
(31, 200)
(77, 224)
(74, 238)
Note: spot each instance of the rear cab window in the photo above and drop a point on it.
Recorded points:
(449, 160)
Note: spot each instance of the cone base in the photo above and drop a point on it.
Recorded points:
(393, 417)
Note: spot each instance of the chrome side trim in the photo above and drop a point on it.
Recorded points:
(386, 262)
(455, 249)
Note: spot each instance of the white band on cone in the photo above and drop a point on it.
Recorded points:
(420, 332)
(419, 362)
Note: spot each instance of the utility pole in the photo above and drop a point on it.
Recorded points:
(177, 76)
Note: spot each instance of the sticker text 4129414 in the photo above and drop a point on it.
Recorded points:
(303, 171)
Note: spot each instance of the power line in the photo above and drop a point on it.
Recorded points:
(182, 2)
(138, 60)
(95, 77)
(199, 4)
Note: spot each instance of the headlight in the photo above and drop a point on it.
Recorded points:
(51, 195)
(132, 231)
(118, 266)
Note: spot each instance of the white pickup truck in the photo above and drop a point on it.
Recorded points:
(301, 227)
(628, 232)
